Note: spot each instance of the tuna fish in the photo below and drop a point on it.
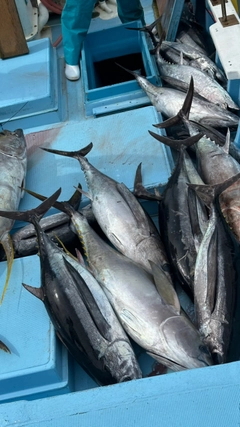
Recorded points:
(13, 159)
(215, 277)
(204, 85)
(193, 57)
(79, 309)
(146, 304)
(169, 101)
(121, 216)
(213, 162)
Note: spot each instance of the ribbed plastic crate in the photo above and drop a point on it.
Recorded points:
(29, 86)
(106, 91)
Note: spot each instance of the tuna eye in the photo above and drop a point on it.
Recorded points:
(204, 349)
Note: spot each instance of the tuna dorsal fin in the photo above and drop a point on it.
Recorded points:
(75, 154)
(208, 193)
(165, 288)
(37, 292)
(177, 144)
(139, 190)
(76, 198)
(89, 301)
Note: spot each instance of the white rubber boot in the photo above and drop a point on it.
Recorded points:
(72, 72)
(103, 5)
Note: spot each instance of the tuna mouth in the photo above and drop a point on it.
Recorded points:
(125, 378)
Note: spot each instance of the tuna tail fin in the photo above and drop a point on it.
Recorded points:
(128, 71)
(28, 216)
(66, 206)
(183, 112)
(177, 144)
(209, 193)
(148, 29)
(9, 251)
(4, 347)
(75, 154)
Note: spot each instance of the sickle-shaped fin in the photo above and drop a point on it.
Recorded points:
(165, 288)
(208, 193)
(4, 347)
(177, 144)
(37, 292)
(139, 190)
(9, 251)
(148, 29)
(75, 154)
(134, 206)
(28, 216)
(65, 207)
(89, 301)
(183, 112)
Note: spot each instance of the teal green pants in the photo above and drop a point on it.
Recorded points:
(76, 18)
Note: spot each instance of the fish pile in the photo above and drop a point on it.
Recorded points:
(124, 284)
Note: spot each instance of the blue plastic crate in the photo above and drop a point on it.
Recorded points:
(114, 43)
(29, 87)
(38, 363)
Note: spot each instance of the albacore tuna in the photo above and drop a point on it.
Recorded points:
(169, 101)
(13, 160)
(146, 304)
(79, 309)
(121, 216)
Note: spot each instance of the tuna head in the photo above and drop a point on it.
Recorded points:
(184, 343)
(13, 144)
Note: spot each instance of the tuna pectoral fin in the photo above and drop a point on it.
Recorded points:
(9, 251)
(139, 190)
(167, 362)
(37, 292)
(89, 301)
(165, 288)
(4, 347)
(134, 206)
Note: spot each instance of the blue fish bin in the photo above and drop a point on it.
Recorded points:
(107, 87)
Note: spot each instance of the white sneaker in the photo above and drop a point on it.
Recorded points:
(72, 72)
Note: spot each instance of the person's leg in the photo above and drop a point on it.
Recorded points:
(76, 18)
(130, 10)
